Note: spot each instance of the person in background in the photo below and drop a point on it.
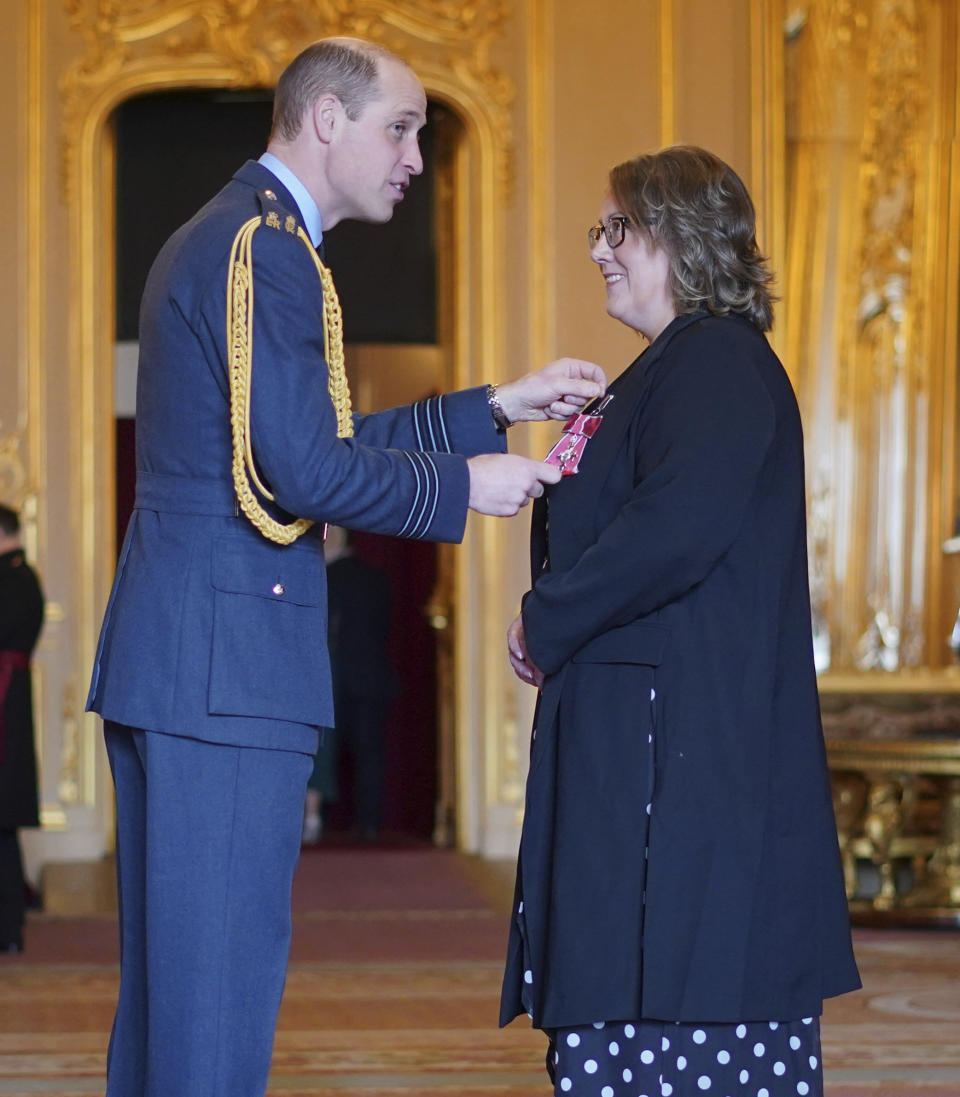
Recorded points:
(21, 618)
(358, 633)
(680, 909)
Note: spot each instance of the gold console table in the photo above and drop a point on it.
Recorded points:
(898, 808)
(897, 803)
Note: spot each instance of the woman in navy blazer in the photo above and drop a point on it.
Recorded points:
(680, 911)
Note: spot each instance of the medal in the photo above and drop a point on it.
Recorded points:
(577, 431)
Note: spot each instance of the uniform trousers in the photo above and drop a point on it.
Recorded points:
(207, 842)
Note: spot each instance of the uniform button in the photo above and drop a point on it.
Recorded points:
(270, 195)
(279, 588)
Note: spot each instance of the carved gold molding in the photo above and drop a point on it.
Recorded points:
(870, 289)
(143, 44)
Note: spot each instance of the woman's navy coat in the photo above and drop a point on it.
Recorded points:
(675, 561)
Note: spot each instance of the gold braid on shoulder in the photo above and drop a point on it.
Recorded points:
(240, 364)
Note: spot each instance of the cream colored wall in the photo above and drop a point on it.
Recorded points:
(588, 90)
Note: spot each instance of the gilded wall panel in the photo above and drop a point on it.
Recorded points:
(864, 167)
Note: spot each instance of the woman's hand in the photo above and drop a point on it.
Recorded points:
(517, 653)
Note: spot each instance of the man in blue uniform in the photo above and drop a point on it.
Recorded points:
(212, 674)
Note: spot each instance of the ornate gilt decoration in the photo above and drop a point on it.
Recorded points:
(865, 156)
(13, 475)
(69, 782)
(141, 44)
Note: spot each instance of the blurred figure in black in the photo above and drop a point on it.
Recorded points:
(21, 617)
(359, 604)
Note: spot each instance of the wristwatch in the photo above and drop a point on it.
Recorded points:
(496, 408)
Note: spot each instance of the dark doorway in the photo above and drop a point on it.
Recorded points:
(174, 151)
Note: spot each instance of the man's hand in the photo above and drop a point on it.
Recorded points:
(519, 657)
(555, 392)
(502, 483)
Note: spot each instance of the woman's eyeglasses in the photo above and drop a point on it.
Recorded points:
(613, 229)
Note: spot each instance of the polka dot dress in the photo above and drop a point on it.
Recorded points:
(672, 1059)
(679, 1059)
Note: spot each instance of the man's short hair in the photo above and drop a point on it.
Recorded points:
(344, 67)
(9, 521)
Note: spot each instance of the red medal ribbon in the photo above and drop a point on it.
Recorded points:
(9, 662)
(577, 431)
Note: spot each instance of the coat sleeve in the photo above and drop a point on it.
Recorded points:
(458, 422)
(355, 482)
(700, 445)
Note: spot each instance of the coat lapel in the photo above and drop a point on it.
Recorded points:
(572, 503)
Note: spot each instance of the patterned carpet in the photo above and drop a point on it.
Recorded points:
(393, 992)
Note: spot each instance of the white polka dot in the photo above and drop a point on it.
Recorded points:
(528, 977)
(774, 1025)
(681, 1062)
(808, 1020)
(795, 1043)
(813, 1062)
(779, 1069)
(566, 1085)
(723, 1057)
(653, 694)
(590, 1066)
(703, 1082)
(573, 1039)
(556, 1057)
(664, 1044)
(649, 806)
(666, 1089)
(646, 1057)
(607, 1091)
(628, 1075)
(628, 1031)
(744, 1077)
(741, 1031)
(763, 1093)
(803, 1089)
(758, 1050)
(520, 908)
(699, 1036)
(614, 1048)
(599, 1024)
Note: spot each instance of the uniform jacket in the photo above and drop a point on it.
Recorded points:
(211, 630)
(671, 598)
(21, 618)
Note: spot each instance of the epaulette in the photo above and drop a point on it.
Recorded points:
(273, 214)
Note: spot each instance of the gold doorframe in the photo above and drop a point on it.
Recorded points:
(895, 205)
(153, 45)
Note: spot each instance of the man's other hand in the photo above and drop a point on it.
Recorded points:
(502, 483)
(557, 391)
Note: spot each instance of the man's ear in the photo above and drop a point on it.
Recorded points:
(326, 117)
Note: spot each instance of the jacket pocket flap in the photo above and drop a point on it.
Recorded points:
(639, 642)
(264, 570)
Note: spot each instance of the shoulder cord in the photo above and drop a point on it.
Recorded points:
(240, 354)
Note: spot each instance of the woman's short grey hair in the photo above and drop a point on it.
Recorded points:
(695, 207)
(344, 67)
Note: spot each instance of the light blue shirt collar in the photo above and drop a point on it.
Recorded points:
(309, 210)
